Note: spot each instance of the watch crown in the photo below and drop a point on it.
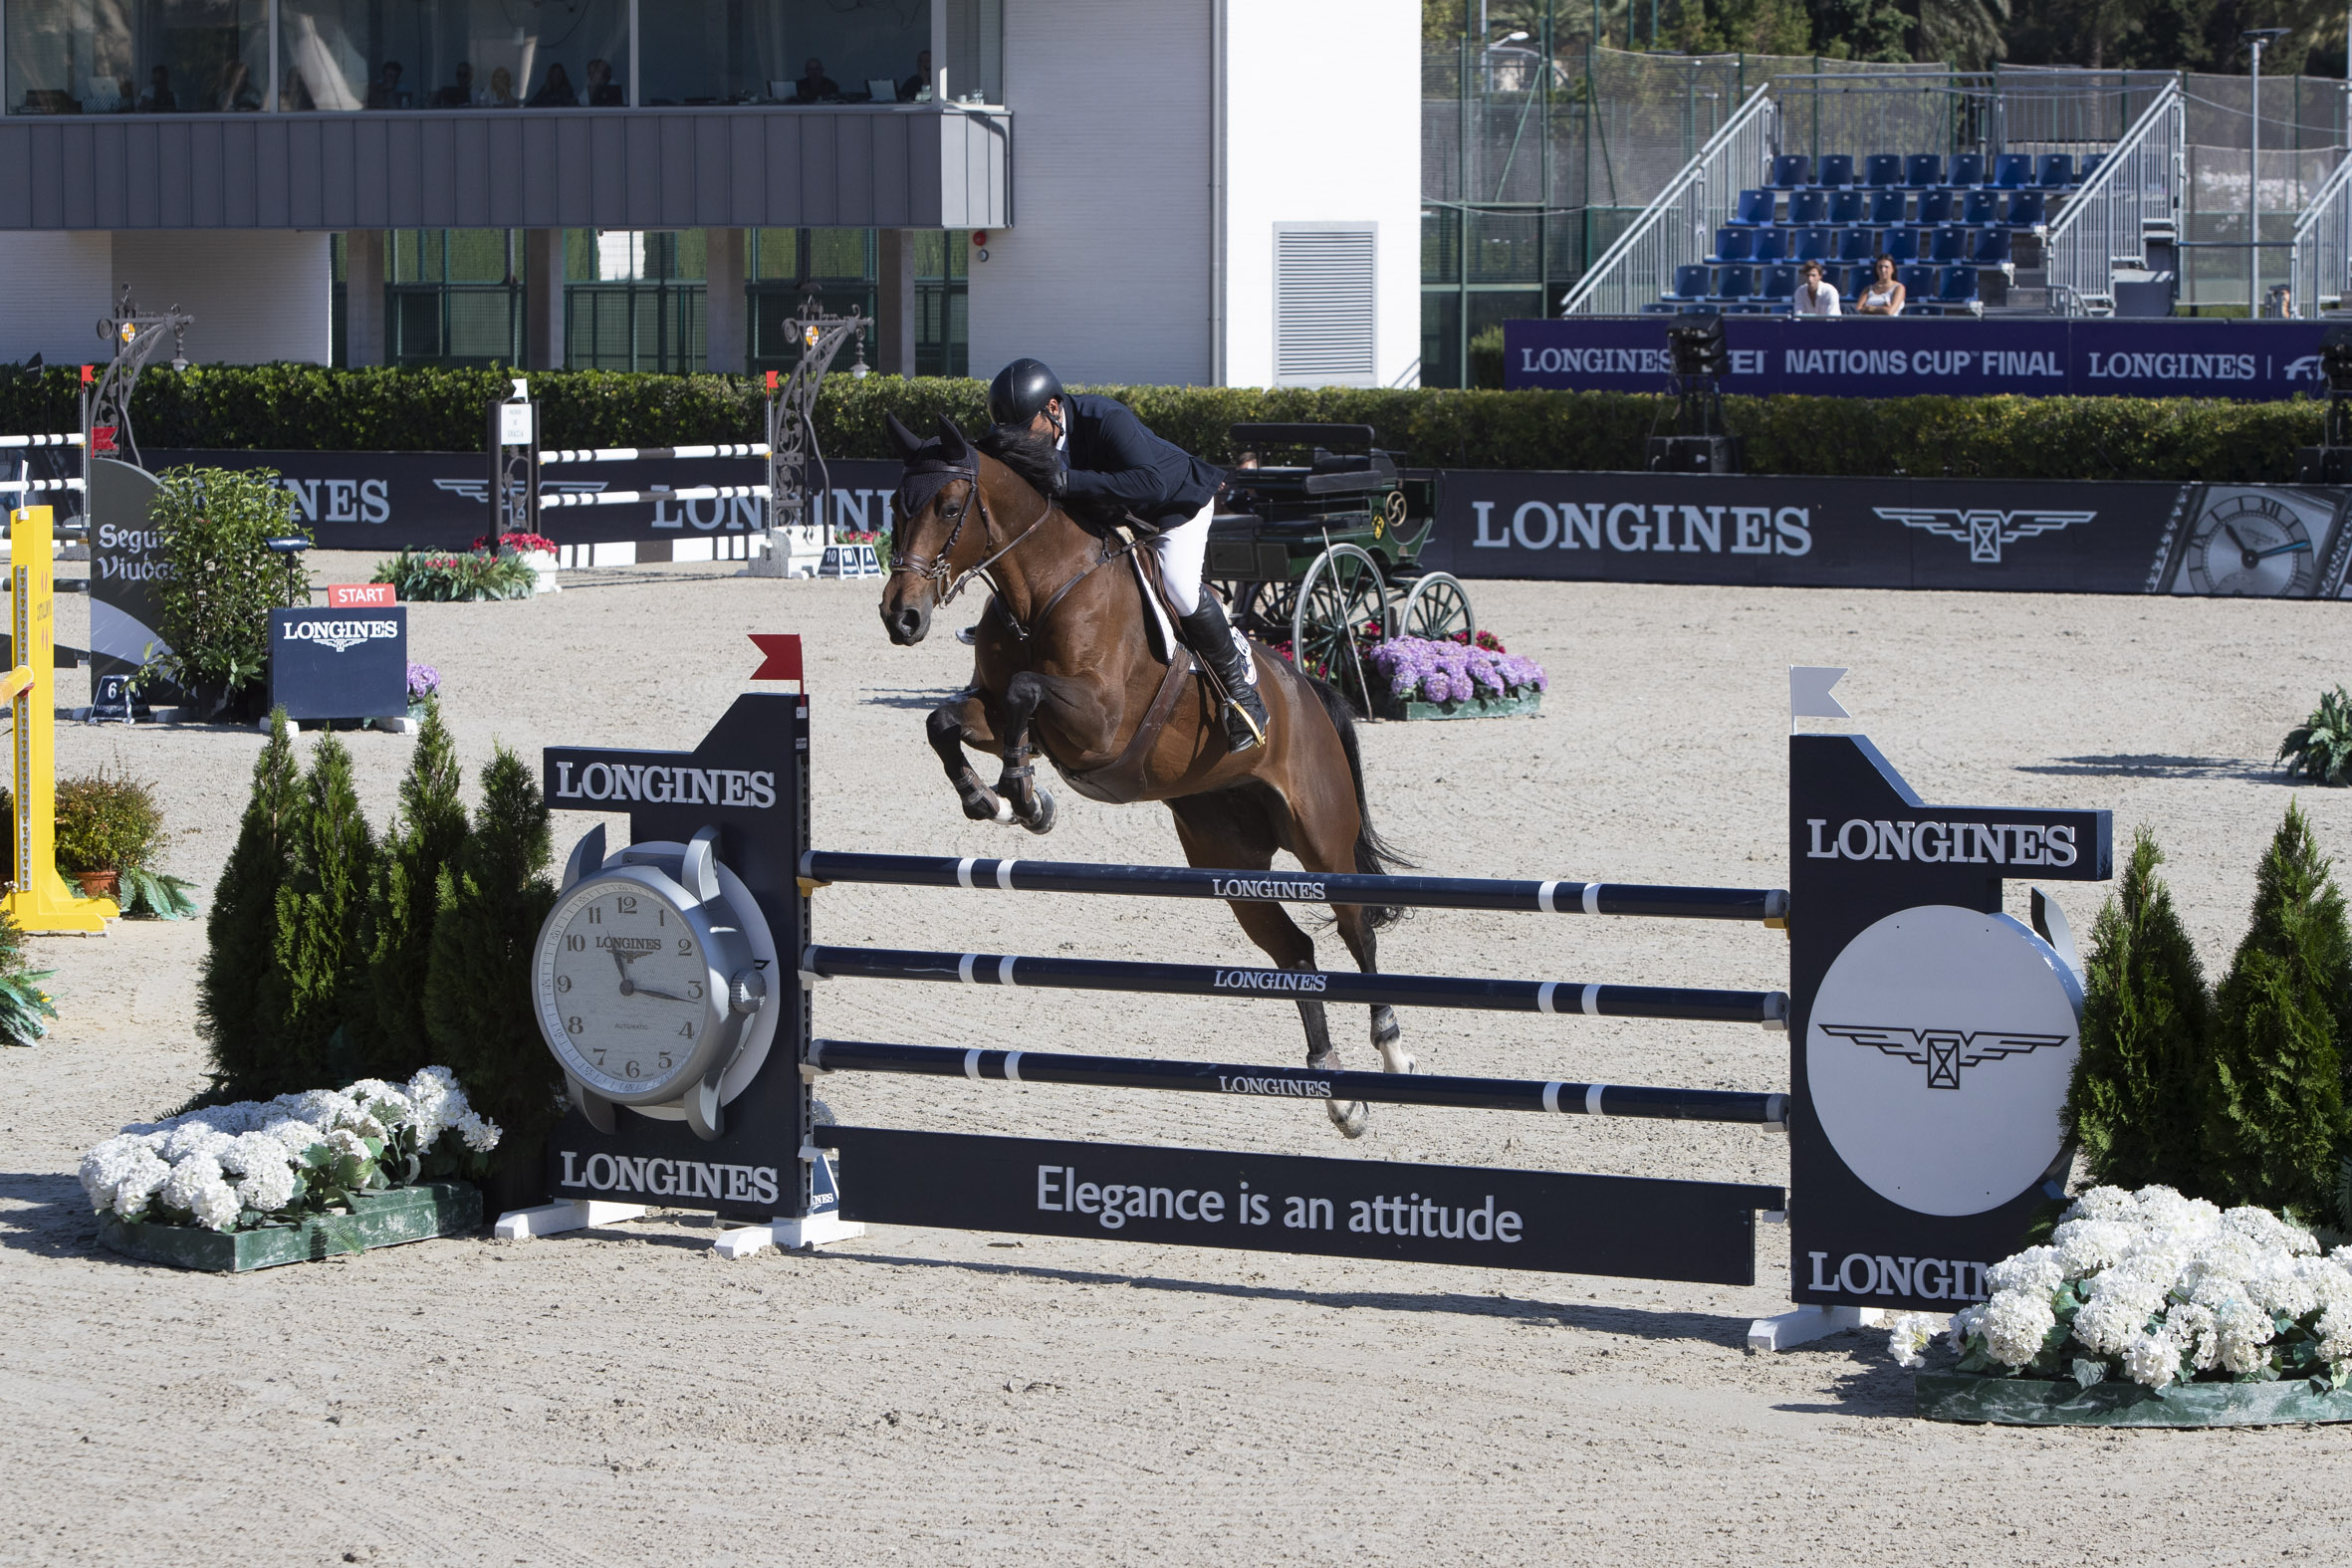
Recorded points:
(746, 990)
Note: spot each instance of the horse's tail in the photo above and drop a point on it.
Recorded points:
(1374, 856)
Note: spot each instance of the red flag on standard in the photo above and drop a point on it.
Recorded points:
(780, 656)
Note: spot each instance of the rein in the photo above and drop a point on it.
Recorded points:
(935, 568)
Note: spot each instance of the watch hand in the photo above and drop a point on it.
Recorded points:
(621, 963)
(2284, 549)
(2232, 531)
(647, 991)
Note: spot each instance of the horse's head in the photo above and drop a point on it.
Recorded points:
(937, 530)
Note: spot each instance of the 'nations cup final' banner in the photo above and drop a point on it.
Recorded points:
(2009, 535)
(1869, 356)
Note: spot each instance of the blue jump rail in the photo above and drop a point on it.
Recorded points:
(1563, 896)
(1301, 1083)
(1767, 1008)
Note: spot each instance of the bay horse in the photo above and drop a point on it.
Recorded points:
(1062, 659)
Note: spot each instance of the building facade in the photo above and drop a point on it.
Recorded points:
(1187, 191)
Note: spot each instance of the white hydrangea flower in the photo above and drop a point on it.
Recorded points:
(267, 1187)
(2116, 1314)
(190, 1177)
(2267, 1232)
(143, 1175)
(1968, 1321)
(2104, 1203)
(480, 1133)
(2152, 1361)
(2335, 1335)
(2034, 1271)
(2015, 1324)
(2085, 1247)
(2277, 1285)
(1908, 1337)
(2192, 1328)
(216, 1206)
(191, 1137)
(2089, 1373)
(294, 1135)
(2246, 1332)
(343, 1143)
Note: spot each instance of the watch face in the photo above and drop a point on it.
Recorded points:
(625, 989)
(2251, 546)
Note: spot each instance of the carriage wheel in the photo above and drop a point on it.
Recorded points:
(1341, 594)
(1438, 608)
(1260, 609)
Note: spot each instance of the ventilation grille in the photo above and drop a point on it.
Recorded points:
(1324, 304)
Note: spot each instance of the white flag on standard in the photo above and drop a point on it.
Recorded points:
(1809, 692)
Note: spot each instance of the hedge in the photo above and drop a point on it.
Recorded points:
(288, 407)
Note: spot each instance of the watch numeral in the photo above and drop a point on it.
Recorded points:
(694, 991)
(563, 982)
(666, 1061)
(595, 915)
(661, 916)
(685, 943)
(626, 903)
(574, 1025)
(599, 1050)
(687, 1030)
(574, 943)
(630, 1067)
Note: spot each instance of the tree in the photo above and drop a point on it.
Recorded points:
(2277, 1126)
(2134, 1104)
(478, 1005)
(239, 1029)
(402, 901)
(317, 949)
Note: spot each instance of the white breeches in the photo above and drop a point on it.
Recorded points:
(1181, 551)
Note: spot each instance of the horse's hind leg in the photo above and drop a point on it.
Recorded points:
(1231, 830)
(952, 726)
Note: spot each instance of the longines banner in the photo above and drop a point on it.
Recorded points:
(388, 501)
(1961, 356)
(2010, 535)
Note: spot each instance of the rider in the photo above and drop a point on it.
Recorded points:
(1111, 462)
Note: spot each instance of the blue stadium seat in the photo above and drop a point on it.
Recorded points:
(1954, 245)
(1934, 208)
(2025, 210)
(1918, 282)
(2057, 171)
(1845, 208)
(1690, 283)
(1837, 171)
(2012, 171)
(1980, 208)
(1733, 245)
(1860, 245)
(1992, 248)
(1814, 245)
(1807, 208)
(1779, 286)
(1887, 208)
(1902, 245)
(1734, 284)
(2091, 166)
(1771, 245)
(1923, 170)
(1966, 171)
(1791, 171)
(1756, 208)
(1958, 287)
(1882, 169)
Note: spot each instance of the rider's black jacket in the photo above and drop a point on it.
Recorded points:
(1114, 462)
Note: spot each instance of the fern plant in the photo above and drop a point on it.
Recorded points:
(2320, 748)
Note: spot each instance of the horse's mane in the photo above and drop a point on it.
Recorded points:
(1029, 455)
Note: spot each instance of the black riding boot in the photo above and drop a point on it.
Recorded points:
(1211, 637)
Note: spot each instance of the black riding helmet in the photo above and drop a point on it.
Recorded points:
(1020, 390)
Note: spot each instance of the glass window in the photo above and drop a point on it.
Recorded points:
(784, 52)
(839, 263)
(452, 53)
(119, 57)
(976, 51)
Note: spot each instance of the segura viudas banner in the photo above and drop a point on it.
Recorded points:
(1870, 356)
(2009, 536)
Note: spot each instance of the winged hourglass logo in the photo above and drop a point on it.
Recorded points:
(1983, 529)
(1944, 1051)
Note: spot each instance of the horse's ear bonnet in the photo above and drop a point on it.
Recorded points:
(931, 464)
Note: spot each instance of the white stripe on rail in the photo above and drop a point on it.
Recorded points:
(627, 498)
(637, 454)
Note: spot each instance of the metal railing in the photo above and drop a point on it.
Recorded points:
(2136, 189)
(2319, 267)
(1679, 227)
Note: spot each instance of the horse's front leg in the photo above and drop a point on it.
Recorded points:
(954, 724)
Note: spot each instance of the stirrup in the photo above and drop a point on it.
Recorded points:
(1247, 734)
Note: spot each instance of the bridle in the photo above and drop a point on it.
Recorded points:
(936, 568)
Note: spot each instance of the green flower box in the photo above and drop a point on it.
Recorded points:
(405, 1214)
(1526, 703)
(2026, 1402)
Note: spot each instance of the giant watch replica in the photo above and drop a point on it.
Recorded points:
(648, 981)
(2252, 546)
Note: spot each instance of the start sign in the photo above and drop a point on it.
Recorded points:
(340, 663)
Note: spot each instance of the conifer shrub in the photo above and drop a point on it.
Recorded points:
(317, 947)
(2133, 1106)
(477, 998)
(402, 900)
(2276, 1129)
(235, 1003)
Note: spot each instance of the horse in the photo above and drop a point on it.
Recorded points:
(1062, 659)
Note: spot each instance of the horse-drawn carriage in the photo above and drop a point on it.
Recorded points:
(1322, 552)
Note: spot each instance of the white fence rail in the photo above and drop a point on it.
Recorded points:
(2319, 268)
(2137, 188)
(1679, 227)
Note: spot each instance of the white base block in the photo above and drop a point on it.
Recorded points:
(553, 1218)
(790, 552)
(1809, 1323)
(790, 1234)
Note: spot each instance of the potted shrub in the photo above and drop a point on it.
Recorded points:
(109, 836)
(424, 689)
(220, 584)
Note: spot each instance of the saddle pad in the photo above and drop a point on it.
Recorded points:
(1157, 626)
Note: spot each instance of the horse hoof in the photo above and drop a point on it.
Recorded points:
(987, 808)
(1349, 1116)
(1042, 820)
(1395, 1059)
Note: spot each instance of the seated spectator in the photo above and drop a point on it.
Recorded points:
(385, 91)
(126, 96)
(1813, 296)
(555, 92)
(236, 91)
(502, 88)
(603, 91)
(160, 98)
(916, 86)
(814, 87)
(1882, 296)
(459, 94)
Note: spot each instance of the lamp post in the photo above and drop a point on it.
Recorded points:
(2259, 38)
